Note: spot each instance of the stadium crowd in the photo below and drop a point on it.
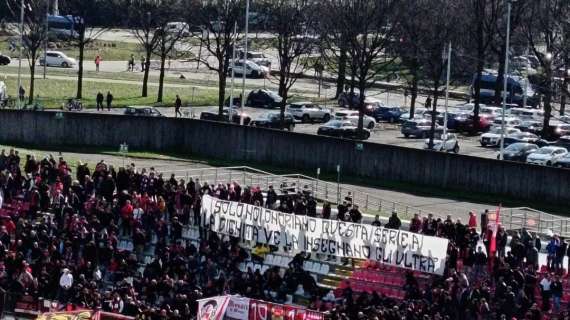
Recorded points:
(61, 231)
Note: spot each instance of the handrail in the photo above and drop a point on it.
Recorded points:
(512, 218)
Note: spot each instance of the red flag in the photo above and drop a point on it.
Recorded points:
(495, 227)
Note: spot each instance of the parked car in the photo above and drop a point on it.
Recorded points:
(526, 113)
(390, 114)
(4, 60)
(531, 126)
(343, 129)
(518, 151)
(491, 112)
(563, 142)
(546, 155)
(256, 57)
(250, 68)
(352, 116)
(560, 129)
(509, 122)
(466, 123)
(309, 112)
(524, 137)
(273, 120)
(263, 99)
(178, 29)
(418, 128)
(57, 59)
(563, 162)
(418, 114)
(142, 111)
(493, 137)
(347, 99)
(236, 116)
(444, 142)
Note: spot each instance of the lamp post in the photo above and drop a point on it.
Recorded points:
(447, 92)
(231, 106)
(244, 59)
(47, 38)
(20, 54)
(506, 77)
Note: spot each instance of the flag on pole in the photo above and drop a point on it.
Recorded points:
(494, 225)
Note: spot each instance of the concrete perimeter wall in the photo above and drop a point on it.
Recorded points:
(290, 150)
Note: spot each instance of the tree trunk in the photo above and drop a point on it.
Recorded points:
(81, 46)
(414, 93)
(32, 79)
(146, 73)
(433, 115)
(480, 12)
(222, 91)
(564, 93)
(161, 78)
(340, 80)
(546, 130)
(500, 77)
(362, 98)
(283, 93)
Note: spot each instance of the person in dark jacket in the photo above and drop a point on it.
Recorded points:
(271, 198)
(177, 106)
(109, 100)
(394, 222)
(99, 100)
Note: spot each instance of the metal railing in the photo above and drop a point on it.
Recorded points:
(511, 218)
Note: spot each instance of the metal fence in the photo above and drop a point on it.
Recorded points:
(512, 218)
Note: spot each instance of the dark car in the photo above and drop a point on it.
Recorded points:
(563, 142)
(343, 129)
(521, 137)
(418, 128)
(390, 114)
(560, 129)
(236, 116)
(349, 100)
(4, 60)
(141, 111)
(273, 120)
(532, 126)
(518, 151)
(263, 99)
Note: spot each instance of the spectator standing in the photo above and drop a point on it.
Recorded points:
(109, 100)
(551, 250)
(556, 290)
(472, 220)
(21, 94)
(97, 63)
(428, 102)
(377, 222)
(177, 106)
(131, 63)
(65, 283)
(326, 212)
(394, 221)
(545, 289)
(416, 223)
(484, 222)
(99, 101)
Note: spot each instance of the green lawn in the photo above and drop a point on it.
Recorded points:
(108, 50)
(53, 93)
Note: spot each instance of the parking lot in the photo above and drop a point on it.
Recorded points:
(385, 133)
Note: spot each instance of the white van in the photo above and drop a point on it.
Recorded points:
(181, 29)
(527, 113)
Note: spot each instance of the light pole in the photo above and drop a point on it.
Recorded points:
(506, 77)
(46, 39)
(244, 60)
(230, 115)
(338, 184)
(20, 54)
(447, 92)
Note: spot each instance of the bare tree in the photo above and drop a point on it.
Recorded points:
(290, 21)
(217, 19)
(545, 27)
(34, 34)
(84, 14)
(165, 48)
(144, 19)
(368, 28)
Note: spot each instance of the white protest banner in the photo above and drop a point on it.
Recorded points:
(212, 308)
(331, 237)
(238, 308)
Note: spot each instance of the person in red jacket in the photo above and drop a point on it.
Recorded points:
(472, 220)
(126, 217)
